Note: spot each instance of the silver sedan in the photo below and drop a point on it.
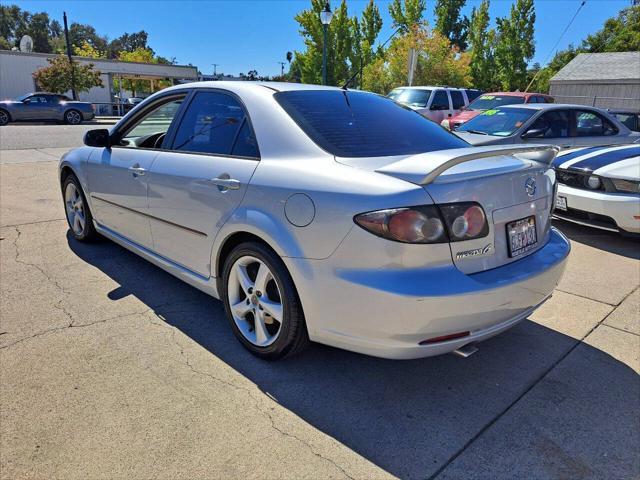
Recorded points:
(322, 214)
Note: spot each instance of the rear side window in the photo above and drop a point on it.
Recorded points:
(440, 101)
(245, 144)
(590, 124)
(358, 124)
(473, 94)
(210, 124)
(629, 120)
(457, 99)
(532, 100)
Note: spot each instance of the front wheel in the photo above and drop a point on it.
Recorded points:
(4, 117)
(77, 211)
(73, 117)
(261, 302)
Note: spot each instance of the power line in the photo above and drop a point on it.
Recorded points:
(556, 45)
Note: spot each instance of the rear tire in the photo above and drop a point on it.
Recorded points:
(73, 117)
(256, 289)
(77, 211)
(5, 118)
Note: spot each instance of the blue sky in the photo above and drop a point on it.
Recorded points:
(242, 35)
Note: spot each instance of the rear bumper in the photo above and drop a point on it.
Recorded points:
(613, 211)
(387, 313)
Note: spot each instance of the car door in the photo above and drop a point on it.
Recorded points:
(457, 102)
(199, 180)
(118, 175)
(550, 127)
(594, 129)
(35, 107)
(440, 107)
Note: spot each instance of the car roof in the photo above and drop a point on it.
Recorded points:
(549, 106)
(423, 87)
(517, 94)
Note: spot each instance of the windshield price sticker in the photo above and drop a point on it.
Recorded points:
(490, 112)
(487, 97)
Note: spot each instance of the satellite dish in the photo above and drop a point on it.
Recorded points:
(26, 44)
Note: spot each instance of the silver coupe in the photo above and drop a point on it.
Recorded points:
(43, 106)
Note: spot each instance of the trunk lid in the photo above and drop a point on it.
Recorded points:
(499, 178)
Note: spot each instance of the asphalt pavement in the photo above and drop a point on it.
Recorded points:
(111, 368)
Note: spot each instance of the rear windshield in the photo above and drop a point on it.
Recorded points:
(358, 124)
(485, 102)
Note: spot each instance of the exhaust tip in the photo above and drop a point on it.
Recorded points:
(466, 351)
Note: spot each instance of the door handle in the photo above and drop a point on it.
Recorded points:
(225, 183)
(137, 170)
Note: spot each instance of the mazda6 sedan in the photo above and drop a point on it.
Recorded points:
(323, 214)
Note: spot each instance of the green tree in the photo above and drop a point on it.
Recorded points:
(407, 13)
(619, 34)
(450, 23)
(515, 45)
(57, 76)
(79, 34)
(481, 48)
(87, 50)
(128, 42)
(370, 26)
(438, 63)
(339, 45)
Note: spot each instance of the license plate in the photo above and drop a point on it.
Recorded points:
(521, 236)
(561, 203)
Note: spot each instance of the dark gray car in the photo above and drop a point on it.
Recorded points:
(43, 106)
(548, 123)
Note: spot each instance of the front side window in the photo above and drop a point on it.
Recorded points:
(457, 99)
(553, 124)
(629, 120)
(500, 122)
(440, 100)
(151, 130)
(590, 124)
(210, 124)
(359, 124)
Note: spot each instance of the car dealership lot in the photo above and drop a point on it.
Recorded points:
(111, 368)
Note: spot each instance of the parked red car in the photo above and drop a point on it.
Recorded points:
(487, 101)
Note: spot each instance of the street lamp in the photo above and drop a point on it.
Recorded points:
(325, 17)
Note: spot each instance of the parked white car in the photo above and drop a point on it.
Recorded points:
(323, 214)
(435, 103)
(600, 187)
(546, 123)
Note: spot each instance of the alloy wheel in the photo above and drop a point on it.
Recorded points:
(255, 300)
(75, 208)
(73, 117)
(4, 117)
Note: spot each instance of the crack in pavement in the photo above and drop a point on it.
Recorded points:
(249, 392)
(59, 304)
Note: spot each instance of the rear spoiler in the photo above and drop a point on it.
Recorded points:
(432, 164)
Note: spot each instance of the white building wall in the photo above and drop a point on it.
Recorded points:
(16, 69)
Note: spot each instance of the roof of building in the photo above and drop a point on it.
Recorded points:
(601, 66)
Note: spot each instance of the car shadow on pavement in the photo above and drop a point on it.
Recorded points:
(608, 241)
(411, 418)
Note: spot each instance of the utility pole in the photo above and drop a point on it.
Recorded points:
(66, 36)
(281, 68)
(215, 71)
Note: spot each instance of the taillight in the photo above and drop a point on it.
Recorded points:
(424, 224)
(409, 225)
(465, 221)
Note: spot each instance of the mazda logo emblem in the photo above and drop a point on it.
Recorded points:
(530, 186)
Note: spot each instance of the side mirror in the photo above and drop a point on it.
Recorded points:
(26, 100)
(534, 133)
(97, 138)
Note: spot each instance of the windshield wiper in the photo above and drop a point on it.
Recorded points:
(478, 132)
